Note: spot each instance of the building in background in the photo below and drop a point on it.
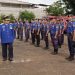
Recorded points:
(15, 7)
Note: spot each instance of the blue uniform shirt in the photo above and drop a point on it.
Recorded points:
(62, 24)
(20, 24)
(69, 27)
(7, 33)
(33, 26)
(27, 25)
(73, 23)
(53, 28)
(42, 27)
(38, 26)
(15, 27)
(46, 27)
(60, 27)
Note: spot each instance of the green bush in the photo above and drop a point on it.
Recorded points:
(0, 19)
(1, 16)
(26, 15)
(12, 18)
(55, 9)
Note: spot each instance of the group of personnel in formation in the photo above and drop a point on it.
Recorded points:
(39, 30)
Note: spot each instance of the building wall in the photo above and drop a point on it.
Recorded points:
(15, 11)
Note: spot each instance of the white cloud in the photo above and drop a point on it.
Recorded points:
(40, 1)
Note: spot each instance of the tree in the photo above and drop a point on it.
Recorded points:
(55, 9)
(26, 15)
(70, 6)
(1, 17)
(12, 18)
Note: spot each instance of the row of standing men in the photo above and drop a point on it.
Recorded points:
(54, 27)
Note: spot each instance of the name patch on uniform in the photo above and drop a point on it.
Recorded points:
(3, 27)
(73, 25)
(11, 27)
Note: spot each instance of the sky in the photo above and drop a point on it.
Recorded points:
(48, 2)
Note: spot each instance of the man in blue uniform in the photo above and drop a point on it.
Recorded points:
(37, 33)
(46, 30)
(54, 35)
(7, 39)
(70, 36)
(15, 28)
(33, 27)
(73, 41)
(18, 29)
(59, 33)
(27, 30)
(21, 30)
(42, 30)
(62, 31)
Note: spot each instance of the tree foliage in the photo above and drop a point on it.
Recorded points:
(70, 6)
(25, 15)
(55, 9)
(1, 17)
(12, 18)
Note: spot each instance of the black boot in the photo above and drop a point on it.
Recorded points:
(59, 46)
(70, 58)
(4, 59)
(37, 46)
(18, 37)
(26, 40)
(10, 59)
(46, 48)
(55, 52)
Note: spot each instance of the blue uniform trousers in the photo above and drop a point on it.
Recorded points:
(42, 34)
(37, 38)
(46, 40)
(21, 33)
(7, 50)
(27, 34)
(73, 49)
(70, 44)
(54, 41)
(33, 35)
(62, 39)
(18, 32)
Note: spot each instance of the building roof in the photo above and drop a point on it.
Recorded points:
(14, 2)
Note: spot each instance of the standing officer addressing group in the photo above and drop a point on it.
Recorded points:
(7, 38)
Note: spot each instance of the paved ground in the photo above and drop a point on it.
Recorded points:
(29, 60)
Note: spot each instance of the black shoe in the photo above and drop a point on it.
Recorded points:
(4, 59)
(17, 38)
(54, 53)
(33, 43)
(59, 46)
(26, 40)
(21, 39)
(10, 59)
(46, 48)
(38, 46)
(41, 38)
(70, 58)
